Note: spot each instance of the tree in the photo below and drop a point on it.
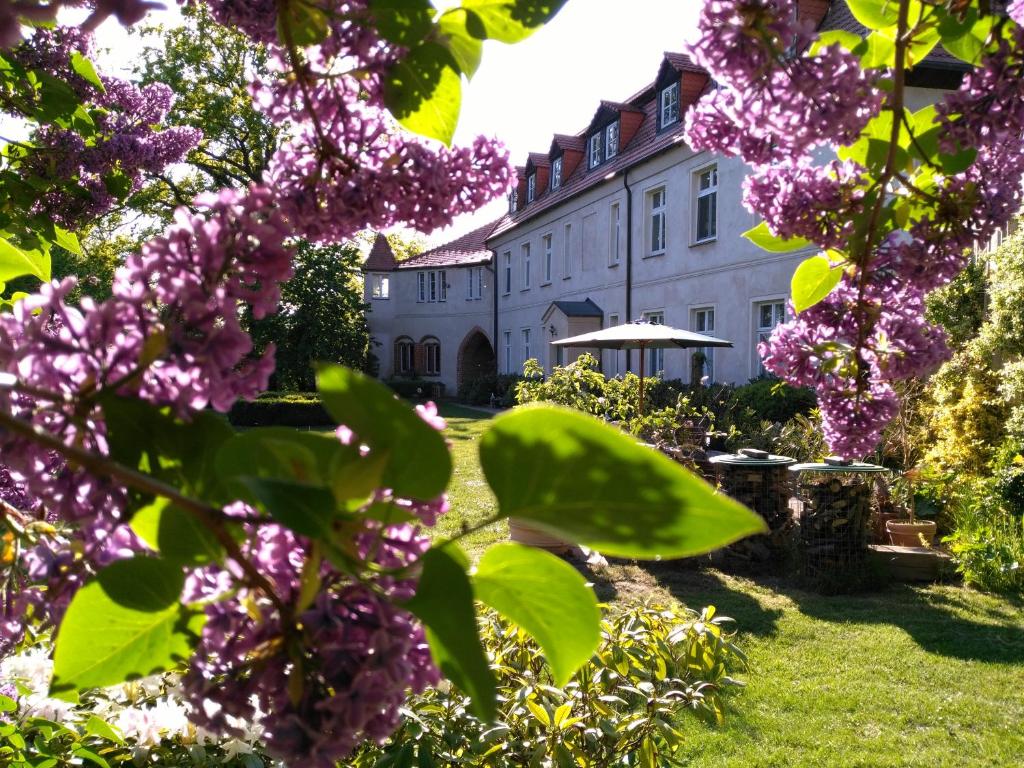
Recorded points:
(209, 68)
(321, 317)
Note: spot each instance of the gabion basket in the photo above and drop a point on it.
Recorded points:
(760, 481)
(833, 507)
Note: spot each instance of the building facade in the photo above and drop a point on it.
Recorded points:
(619, 221)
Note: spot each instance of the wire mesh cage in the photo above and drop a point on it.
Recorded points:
(762, 482)
(833, 504)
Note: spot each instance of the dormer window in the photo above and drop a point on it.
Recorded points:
(513, 201)
(531, 187)
(669, 105)
(611, 140)
(594, 155)
(556, 173)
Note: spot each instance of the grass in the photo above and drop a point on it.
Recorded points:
(910, 676)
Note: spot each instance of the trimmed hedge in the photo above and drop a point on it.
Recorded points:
(281, 409)
(417, 389)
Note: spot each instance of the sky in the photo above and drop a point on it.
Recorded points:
(525, 93)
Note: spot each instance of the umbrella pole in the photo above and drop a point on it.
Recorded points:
(641, 380)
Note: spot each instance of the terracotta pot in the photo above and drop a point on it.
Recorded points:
(906, 534)
(878, 529)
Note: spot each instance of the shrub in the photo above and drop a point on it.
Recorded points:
(988, 542)
(773, 400)
(417, 389)
(281, 409)
(653, 666)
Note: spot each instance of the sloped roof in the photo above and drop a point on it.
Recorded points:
(681, 62)
(381, 258)
(586, 308)
(471, 248)
(564, 142)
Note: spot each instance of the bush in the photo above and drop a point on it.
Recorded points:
(502, 387)
(988, 541)
(623, 708)
(417, 389)
(281, 409)
(773, 400)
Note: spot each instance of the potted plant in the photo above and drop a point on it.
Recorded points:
(912, 531)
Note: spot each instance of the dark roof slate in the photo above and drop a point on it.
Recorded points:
(469, 249)
(586, 308)
(381, 257)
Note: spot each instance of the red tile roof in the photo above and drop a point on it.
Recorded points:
(471, 248)
(564, 142)
(539, 158)
(381, 258)
(682, 62)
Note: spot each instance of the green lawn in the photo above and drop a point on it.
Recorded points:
(924, 676)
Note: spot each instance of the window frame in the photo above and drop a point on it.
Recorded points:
(673, 105)
(431, 356)
(524, 337)
(661, 213)
(404, 348)
(513, 200)
(531, 187)
(507, 335)
(556, 173)
(656, 365)
(700, 194)
(567, 252)
(780, 314)
(475, 284)
(611, 140)
(421, 287)
(507, 266)
(525, 258)
(548, 250)
(706, 311)
(613, 320)
(380, 286)
(615, 235)
(594, 150)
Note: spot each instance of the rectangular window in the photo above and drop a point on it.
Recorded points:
(614, 368)
(707, 204)
(508, 272)
(546, 242)
(656, 211)
(655, 357)
(442, 286)
(474, 283)
(567, 252)
(436, 289)
(421, 286)
(525, 249)
(615, 235)
(531, 187)
(526, 345)
(611, 141)
(595, 150)
(703, 322)
(432, 281)
(380, 286)
(669, 105)
(768, 315)
(508, 351)
(432, 353)
(556, 173)
(513, 201)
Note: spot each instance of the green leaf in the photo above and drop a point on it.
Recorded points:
(97, 726)
(581, 479)
(405, 22)
(813, 280)
(465, 47)
(14, 262)
(879, 50)
(762, 237)
(424, 92)
(284, 454)
(444, 603)
(125, 623)
(875, 14)
(847, 40)
(966, 39)
(958, 163)
(301, 23)
(118, 184)
(510, 21)
(84, 69)
(545, 596)
(176, 534)
(67, 240)
(305, 509)
(419, 464)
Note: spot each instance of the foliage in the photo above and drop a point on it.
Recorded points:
(959, 307)
(321, 317)
(209, 68)
(280, 409)
(988, 540)
(417, 390)
(654, 667)
(120, 725)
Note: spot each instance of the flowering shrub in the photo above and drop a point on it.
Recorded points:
(655, 666)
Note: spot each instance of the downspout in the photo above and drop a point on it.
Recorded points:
(493, 269)
(629, 259)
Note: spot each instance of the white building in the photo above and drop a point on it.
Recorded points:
(619, 221)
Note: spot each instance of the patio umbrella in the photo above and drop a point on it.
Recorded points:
(642, 335)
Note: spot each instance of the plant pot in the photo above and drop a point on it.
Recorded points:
(878, 530)
(907, 534)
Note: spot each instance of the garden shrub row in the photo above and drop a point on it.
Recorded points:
(281, 409)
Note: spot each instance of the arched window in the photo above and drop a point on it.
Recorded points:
(432, 355)
(404, 356)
